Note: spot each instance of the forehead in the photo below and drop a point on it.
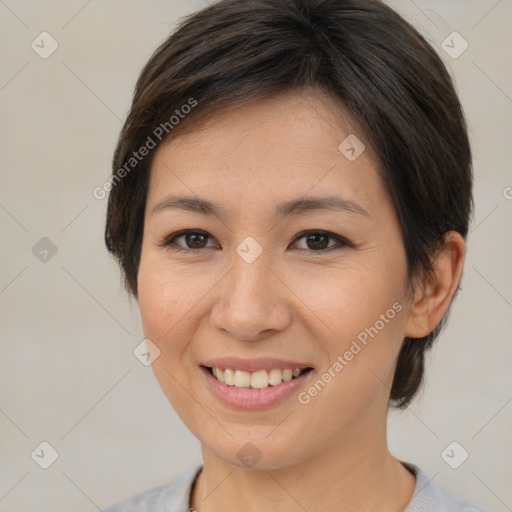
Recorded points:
(284, 146)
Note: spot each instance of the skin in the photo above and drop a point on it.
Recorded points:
(292, 302)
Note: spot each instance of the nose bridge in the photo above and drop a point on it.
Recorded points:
(250, 302)
(250, 271)
(249, 283)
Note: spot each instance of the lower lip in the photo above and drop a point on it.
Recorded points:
(250, 398)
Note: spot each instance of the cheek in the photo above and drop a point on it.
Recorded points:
(162, 304)
(163, 307)
(360, 309)
(343, 301)
(157, 305)
(166, 295)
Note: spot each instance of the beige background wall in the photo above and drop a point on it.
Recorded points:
(68, 375)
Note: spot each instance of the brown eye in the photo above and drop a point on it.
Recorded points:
(193, 241)
(319, 241)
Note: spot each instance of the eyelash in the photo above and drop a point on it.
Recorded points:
(169, 242)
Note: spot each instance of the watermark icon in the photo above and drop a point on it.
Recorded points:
(454, 455)
(454, 45)
(304, 397)
(146, 352)
(44, 45)
(150, 143)
(249, 249)
(248, 455)
(351, 147)
(44, 455)
(507, 192)
(44, 250)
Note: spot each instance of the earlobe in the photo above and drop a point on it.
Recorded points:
(433, 295)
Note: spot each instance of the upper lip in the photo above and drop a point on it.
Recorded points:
(254, 364)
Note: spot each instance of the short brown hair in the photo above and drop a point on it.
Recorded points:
(360, 51)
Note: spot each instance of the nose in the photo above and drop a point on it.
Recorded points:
(252, 302)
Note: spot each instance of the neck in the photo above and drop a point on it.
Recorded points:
(354, 472)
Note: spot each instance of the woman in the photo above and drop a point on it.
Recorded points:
(289, 204)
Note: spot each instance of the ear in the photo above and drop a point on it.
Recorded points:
(432, 297)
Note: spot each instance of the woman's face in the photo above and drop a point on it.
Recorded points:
(257, 285)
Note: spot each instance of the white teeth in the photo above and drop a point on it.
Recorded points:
(218, 373)
(258, 380)
(242, 379)
(229, 377)
(287, 375)
(275, 377)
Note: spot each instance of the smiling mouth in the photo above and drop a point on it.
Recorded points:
(260, 379)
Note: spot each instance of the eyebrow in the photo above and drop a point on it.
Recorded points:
(293, 207)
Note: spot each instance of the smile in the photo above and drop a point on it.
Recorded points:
(258, 389)
(260, 379)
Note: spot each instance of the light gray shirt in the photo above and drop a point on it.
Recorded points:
(175, 497)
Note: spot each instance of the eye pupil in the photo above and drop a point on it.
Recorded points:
(192, 240)
(315, 239)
